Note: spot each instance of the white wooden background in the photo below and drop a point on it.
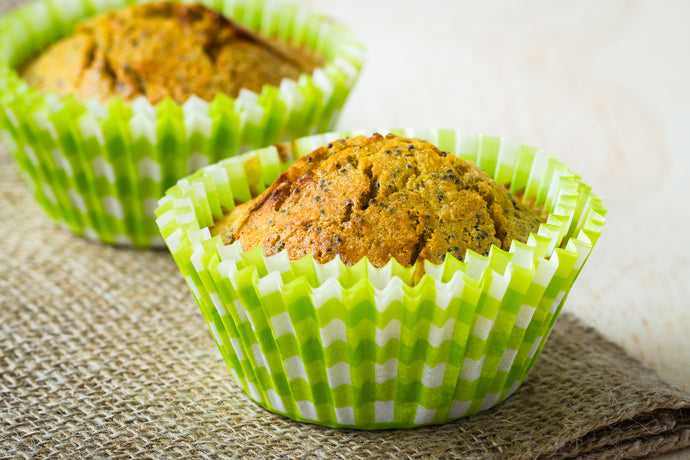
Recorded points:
(604, 86)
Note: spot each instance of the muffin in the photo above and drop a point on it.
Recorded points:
(165, 49)
(381, 343)
(106, 121)
(380, 197)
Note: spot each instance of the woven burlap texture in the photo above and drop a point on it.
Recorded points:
(103, 353)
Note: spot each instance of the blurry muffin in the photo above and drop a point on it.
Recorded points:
(380, 197)
(104, 121)
(164, 49)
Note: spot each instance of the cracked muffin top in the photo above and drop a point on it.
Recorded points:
(380, 197)
(164, 49)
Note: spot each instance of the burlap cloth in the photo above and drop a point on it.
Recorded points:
(103, 353)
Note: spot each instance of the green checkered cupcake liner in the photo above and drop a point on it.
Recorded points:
(368, 348)
(99, 169)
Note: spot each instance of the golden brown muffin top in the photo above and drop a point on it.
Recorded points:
(380, 197)
(164, 49)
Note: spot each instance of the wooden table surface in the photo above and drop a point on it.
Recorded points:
(604, 86)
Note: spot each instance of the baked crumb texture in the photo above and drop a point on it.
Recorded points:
(164, 49)
(380, 197)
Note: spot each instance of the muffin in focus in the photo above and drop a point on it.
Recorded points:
(380, 197)
(105, 109)
(366, 343)
(165, 49)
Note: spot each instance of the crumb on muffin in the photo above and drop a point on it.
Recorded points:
(380, 197)
(164, 49)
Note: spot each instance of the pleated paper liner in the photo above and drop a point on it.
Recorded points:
(99, 169)
(361, 347)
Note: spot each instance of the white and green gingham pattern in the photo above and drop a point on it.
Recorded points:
(368, 348)
(99, 169)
